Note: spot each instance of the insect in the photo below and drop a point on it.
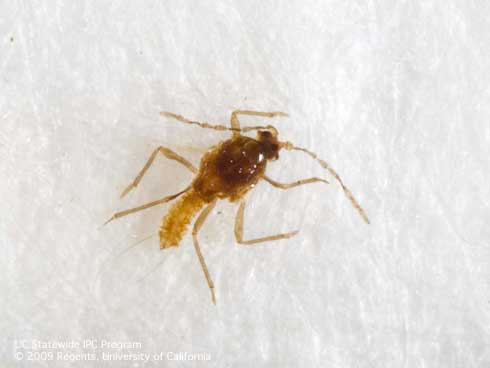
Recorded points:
(227, 170)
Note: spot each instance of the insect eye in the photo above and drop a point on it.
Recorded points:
(266, 134)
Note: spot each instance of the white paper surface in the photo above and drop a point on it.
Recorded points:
(393, 94)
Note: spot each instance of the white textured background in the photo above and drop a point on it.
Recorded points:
(394, 94)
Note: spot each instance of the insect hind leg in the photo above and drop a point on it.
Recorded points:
(197, 226)
(145, 206)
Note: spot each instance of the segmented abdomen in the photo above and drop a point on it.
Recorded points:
(178, 218)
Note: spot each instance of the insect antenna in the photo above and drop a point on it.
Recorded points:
(290, 147)
(217, 127)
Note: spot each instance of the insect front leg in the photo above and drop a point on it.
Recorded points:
(235, 124)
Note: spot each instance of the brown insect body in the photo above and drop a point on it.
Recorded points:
(227, 171)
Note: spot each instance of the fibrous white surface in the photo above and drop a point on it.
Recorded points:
(393, 94)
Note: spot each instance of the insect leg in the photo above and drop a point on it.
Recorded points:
(294, 184)
(145, 206)
(235, 124)
(197, 226)
(239, 230)
(168, 153)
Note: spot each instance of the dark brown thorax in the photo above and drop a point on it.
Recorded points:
(233, 167)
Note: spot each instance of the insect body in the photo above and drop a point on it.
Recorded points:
(227, 171)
